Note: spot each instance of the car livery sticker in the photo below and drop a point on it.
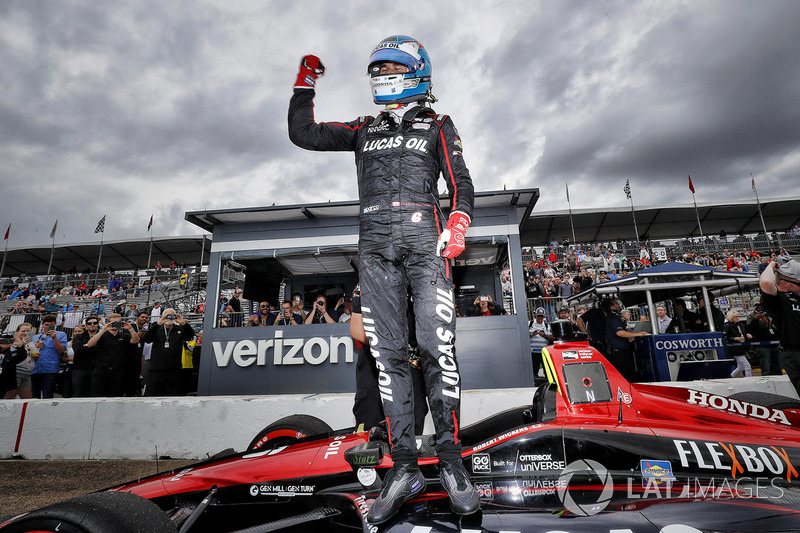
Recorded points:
(279, 489)
(723, 403)
(504, 437)
(738, 459)
(657, 470)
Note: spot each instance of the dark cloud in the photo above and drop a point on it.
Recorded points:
(146, 107)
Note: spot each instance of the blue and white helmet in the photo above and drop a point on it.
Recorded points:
(400, 88)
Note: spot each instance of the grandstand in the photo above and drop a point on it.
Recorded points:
(726, 227)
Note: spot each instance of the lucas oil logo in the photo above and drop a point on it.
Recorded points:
(394, 142)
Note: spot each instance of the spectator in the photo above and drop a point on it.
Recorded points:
(84, 359)
(187, 385)
(286, 317)
(120, 307)
(235, 308)
(781, 300)
(24, 367)
(50, 345)
(763, 330)
(167, 336)
(701, 322)
(263, 317)
(565, 287)
(98, 309)
(565, 313)
(155, 312)
(13, 351)
(347, 309)
(320, 314)
(618, 340)
(51, 307)
(158, 266)
(593, 324)
(541, 336)
(141, 367)
(112, 349)
(662, 319)
(684, 320)
(484, 306)
(735, 335)
(132, 312)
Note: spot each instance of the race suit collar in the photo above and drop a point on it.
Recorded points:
(399, 112)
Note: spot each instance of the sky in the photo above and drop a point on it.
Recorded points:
(133, 108)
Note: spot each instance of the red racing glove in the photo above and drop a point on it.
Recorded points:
(311, 68)
(451, 241)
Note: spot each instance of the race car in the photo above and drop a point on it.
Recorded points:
(591, 452)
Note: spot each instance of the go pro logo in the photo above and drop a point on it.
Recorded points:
(313, 351)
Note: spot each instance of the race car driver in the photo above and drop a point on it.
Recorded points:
(399, 156)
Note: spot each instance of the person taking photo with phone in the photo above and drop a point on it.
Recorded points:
(51, 345)
(112, 343)
(167, 336)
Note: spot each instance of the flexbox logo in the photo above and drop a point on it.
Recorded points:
(587, 470)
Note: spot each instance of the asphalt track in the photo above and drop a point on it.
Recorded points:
(26, 485)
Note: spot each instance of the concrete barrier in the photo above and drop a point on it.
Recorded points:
(196, 427)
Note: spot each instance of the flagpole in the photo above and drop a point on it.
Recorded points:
(5, 253)
(760, 214)
(102, 227)
(633, 213)
(627, 190)
(52, 249)
(149, 257)
(571, 223)
(697, 214)
(150, 251)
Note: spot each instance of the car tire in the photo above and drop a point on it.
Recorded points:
(767, 399)
(99, 512)
(287, 430)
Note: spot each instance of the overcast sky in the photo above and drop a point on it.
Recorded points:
(132, 108)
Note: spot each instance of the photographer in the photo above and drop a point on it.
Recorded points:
(320, 314)
(167, 336)
(51, 344)
(12, 352)
(286, 317)
(112, 349)
(85, 356)
(297, 306)
(347, 309)
(484, 306)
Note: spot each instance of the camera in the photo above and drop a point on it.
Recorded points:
(6, 341)
(484, 298)
(117, 324)
(172, 316)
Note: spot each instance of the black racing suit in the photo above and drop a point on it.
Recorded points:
(398, 167)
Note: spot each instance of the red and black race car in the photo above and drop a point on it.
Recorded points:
(591, 452)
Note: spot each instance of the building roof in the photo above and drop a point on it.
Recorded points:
(661, 222)
(538, 228)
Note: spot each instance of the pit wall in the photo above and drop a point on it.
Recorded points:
(196, 427)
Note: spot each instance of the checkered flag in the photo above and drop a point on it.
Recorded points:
(627, 188)
(101, 226)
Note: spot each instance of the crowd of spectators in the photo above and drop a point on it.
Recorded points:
(83, 342)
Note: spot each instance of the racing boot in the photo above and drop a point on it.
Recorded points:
(401, 484)
(464, 499)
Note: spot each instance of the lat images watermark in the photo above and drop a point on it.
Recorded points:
(585, 487)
